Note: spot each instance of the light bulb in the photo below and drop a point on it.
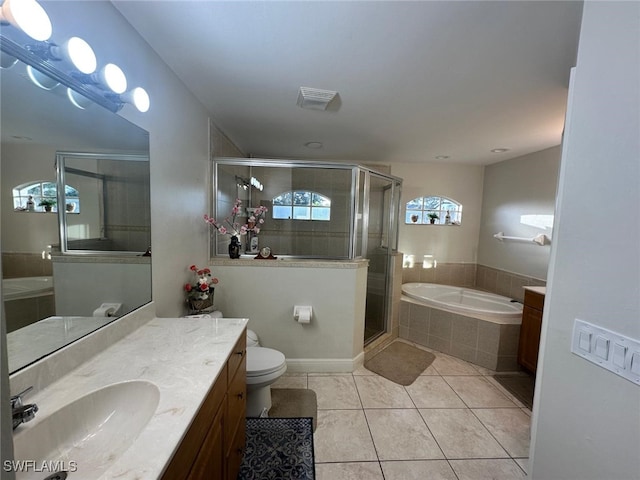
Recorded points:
(114, 78)
(28, 16)
(40, 79)
(78, 100)
(139, 98)
(79, 53)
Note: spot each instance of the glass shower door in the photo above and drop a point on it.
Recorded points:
(378, 251)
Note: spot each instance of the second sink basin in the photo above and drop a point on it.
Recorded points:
(87, 435)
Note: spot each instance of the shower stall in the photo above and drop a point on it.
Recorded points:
(316, 210)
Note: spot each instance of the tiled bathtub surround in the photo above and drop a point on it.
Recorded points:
(20, 264)
(481, 342)
(472, 275)
(504, 283)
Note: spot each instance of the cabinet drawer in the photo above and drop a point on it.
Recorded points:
(236, 404)
(533, 299)
(238, 354)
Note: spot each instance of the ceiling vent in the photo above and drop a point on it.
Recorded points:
(314, 98)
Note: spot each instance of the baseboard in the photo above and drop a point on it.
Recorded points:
(324, 365)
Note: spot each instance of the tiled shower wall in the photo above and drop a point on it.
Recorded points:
(472, 275)
(18, 265)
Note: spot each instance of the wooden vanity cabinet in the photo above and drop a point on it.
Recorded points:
(529, 342)
(214, 445)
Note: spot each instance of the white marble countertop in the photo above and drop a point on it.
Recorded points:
(540, 290)
(182, 357)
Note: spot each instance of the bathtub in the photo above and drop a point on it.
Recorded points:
(26, 287)
(466, 301)
(478, 327)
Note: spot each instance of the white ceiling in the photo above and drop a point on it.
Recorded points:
(416, 80)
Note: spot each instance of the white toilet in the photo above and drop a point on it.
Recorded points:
(264, 366)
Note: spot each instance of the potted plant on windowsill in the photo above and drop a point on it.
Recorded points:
(433, 217)
(47, 203)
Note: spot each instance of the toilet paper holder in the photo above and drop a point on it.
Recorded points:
(302, 314)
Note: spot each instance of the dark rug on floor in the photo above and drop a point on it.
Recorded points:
(294, 402)
(400, 362)
(278, 448)
(520, 386)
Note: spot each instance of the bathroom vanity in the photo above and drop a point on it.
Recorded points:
(214, 444)
(529, 343)
(166, 400)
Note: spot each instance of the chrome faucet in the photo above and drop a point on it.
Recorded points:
(22, 413)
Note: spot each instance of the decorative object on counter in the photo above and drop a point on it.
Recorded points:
(31, 206)
(234, 247)
(265, 254)
(447, 218)
(234, 228)
(433, 217)
(200, 289)
(47, 203)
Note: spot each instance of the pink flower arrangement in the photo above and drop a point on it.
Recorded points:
(254, 222)
(201, 285)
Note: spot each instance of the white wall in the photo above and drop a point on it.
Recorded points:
(522, 186)
(586, 420)
(462, 183)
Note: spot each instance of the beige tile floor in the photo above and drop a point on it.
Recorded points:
(453, 423)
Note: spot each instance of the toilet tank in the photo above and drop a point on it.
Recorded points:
(252, 339)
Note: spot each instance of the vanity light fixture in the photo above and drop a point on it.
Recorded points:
(313, 145)
(138, 97)
(41, 80)
(499, 150)
(28, 16)
(71, 63)
(441, 157)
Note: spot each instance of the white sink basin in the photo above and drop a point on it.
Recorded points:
(87, 435)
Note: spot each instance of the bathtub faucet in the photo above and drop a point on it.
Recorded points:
(22, 413)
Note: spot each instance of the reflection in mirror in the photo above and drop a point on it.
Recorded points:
(106, 199)
(51, 297)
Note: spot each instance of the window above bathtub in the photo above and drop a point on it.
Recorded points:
(433, 210)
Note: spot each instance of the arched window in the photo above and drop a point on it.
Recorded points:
(301, 205)
(30, 196)
(433, 210)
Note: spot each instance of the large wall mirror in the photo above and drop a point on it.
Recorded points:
(55, 292)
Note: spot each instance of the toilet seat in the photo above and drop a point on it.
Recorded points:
(263, 361)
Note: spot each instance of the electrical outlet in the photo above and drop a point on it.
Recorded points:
(607, 349)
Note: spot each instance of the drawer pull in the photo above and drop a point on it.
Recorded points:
(241, 353)
(241, 395)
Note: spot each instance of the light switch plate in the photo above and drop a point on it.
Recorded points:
(607, 349)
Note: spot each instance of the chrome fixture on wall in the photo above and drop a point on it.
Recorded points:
(71, 63)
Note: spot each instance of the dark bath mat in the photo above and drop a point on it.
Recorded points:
(520, 386)
(400, 362)
(278, 448)
(294, 402)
